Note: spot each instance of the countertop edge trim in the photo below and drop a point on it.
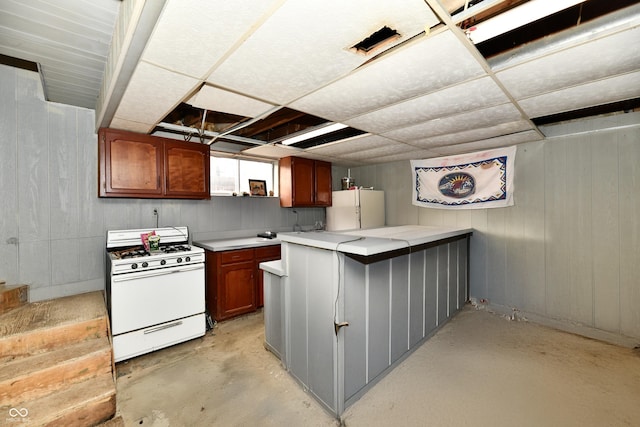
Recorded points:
(370, 259)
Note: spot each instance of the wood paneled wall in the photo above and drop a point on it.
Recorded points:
(569, 249)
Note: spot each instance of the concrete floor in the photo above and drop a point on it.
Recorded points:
(479, 370)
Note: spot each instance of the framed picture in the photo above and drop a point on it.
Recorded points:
(257, 187)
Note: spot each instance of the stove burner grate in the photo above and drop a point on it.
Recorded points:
(138, 251)
(175, 248)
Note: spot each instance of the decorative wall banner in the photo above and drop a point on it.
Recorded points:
(467, 181)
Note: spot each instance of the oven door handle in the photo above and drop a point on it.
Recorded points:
(162, 327)
(153, 273)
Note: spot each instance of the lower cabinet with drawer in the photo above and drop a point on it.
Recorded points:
(234, 280)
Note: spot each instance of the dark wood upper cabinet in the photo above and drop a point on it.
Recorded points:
(144, 166)
(187, 169)
(304, 182)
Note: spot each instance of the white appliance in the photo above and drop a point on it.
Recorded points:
(354, 209)
(155, 299)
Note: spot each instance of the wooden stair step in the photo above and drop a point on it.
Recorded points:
(13, 296)
(44, 325)
(31, 377)
(87, 403)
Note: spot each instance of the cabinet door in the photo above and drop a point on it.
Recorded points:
(323, 183)
(187, 170)
(130, 165)
(304, 182)
(236, 293)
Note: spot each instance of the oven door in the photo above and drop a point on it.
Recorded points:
(147, 298)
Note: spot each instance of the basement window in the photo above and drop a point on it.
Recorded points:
(232, 175)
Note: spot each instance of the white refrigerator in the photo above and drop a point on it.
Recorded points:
(354, 209)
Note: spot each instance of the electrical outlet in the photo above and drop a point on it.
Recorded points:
(155, 211)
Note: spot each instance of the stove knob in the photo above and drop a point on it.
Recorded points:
(187, 259)
(179, 260)
(134, 266)
(145, 264)
(163, 262)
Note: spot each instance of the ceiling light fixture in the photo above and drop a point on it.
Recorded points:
(517, 17)
(333, 127)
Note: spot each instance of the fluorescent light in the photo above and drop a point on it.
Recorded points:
(517, 17)
(312, 134)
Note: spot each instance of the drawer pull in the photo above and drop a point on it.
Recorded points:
(163, 327)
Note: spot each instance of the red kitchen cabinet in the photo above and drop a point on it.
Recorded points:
(304, 183)
(234, 280)
(143, 166)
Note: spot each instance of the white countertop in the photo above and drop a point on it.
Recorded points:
(273, 267)
(232, 244)
(375, 240)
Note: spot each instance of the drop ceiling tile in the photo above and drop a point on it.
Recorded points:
(410, 155)
(123, 124)
(604, 91)
(501, 141)
(587, 125)
(475, 134)
(391, 149)
(190, 39)
(358, 143)
(315, 156)
(273, 151)
(423, 66)
(305, 45)
(214, 99)
(471, 95)
(579, 65)
(486, 117)
(152, 92)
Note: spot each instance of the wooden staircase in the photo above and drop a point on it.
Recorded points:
(56, 361)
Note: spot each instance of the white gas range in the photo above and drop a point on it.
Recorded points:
(155, 299)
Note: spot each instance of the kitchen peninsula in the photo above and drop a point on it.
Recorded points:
(343, 309)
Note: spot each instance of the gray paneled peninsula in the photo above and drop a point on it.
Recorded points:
(343, 309)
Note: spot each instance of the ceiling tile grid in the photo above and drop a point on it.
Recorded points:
(199, 33)
(410, 155)
(482, 118)
(500, 141)
(467, 96)
(391, 148)
(476, 134)
(425, 65)
(358, 143)
(152, 92)
(587, 95)
(424, 94)
(214, 99)
(295, 51)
